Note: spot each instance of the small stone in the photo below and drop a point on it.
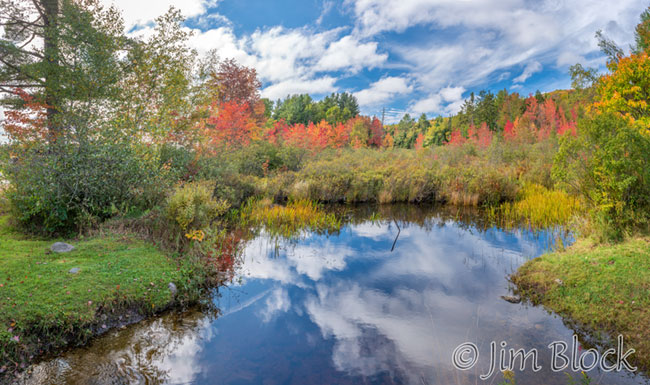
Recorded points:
(61, 247)
(74, 270)
(559, 281)
(172, 288)
(511, 299)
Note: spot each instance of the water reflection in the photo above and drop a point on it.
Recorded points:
(344, 309)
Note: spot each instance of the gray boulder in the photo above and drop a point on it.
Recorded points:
(74, 270)
(172, 288)
(61, 247)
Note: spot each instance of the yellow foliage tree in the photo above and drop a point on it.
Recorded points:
(626, 91)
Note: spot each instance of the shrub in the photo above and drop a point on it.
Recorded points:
(192, 207)
(180, 162)
(234, 188)
(261, 158)
(608, 163)
(58, 189)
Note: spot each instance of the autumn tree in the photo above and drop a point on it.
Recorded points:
(376, 133)
(439, 133)
(626, 91)
(237, 83)
(359, 129)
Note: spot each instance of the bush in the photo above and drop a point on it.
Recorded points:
(261, 158)
(234, 188)
(608, 164)
(180, 162)
(62, 188)
(192, 207)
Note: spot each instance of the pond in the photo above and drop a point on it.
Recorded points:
(384, 301)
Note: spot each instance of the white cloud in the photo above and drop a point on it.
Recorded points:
(277, 302)
(351, 54)
(447, 101)
(320, 85)
(142, 12)
(383, 90)
(292, 61)
(531, 68)
(476, 41)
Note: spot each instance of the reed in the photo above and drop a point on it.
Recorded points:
(539, 208)
(291, 220)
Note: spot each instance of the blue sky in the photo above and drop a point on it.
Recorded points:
(403, 55)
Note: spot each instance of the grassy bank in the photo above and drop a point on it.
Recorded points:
(43, 306)
(605, 289)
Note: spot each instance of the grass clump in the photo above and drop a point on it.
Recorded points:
(538, 207)
(602, 288)
(44, 307)
(291, 220)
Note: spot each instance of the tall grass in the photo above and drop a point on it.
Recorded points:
(464, 175)
(538, 207)
(291, 220)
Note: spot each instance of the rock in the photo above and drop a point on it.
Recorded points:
(172, 288)
(511, 299)
(74, 270)
(559, 281)
(61, 247)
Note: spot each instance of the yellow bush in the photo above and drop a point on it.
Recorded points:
(192, 206)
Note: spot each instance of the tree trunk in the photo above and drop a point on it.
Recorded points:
(51, 52)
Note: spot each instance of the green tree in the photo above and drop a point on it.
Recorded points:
(295, 109)
(582, 78)
(423, 124)
(487, 109)
(642, 33)
(405, 132)
(64, 52)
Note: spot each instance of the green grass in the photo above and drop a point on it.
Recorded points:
(43, 306)
(605, 289)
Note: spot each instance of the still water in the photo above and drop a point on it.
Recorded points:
(381, 302)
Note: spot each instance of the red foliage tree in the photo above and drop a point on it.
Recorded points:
(483, 136)
(28, 124)
(237, 83)
(508, 131)
(376, 133)
(419, 141)
(457, 138)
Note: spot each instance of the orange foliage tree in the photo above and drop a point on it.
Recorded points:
(230, 123)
